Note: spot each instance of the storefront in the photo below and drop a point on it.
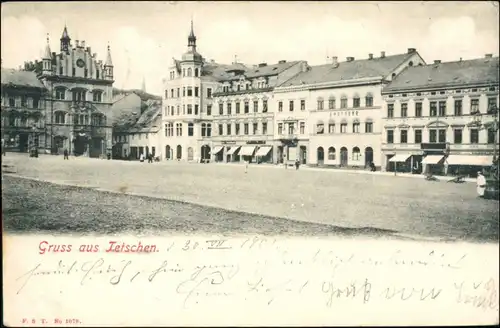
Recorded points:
(405, 162)
(467, 164)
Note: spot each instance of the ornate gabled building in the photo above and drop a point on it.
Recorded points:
(77, 100)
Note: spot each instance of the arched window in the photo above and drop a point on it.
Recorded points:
(321, 103)
(60, 117)
(97, 119)
(189, 72)
(356, 101)
(190, 129)
(343, 101)
(209, 130)
(196, 72)
(369, 100)
(331, 153)
(60, 93)
(320, 153)
(331, 102)
(356, 154)
(97, 95)
(183, 72)
(79, 95)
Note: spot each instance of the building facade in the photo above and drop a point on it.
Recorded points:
(330, 115)
(78, 98)
(243, 116)
(442, 118)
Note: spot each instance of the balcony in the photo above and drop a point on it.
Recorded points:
(288, 137)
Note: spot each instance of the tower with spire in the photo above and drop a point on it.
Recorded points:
(108, 66)
(47, 59)
(65, 41)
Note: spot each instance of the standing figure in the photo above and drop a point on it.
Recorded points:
(141, 158)
(297, 164)
(481, 184)
(66, 154)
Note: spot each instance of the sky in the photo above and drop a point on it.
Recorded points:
(145, 36)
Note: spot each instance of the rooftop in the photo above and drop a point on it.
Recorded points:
(143, 95)
(19, 78)
(349, 70)
(465, 72)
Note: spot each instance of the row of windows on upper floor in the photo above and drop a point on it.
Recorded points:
(186, 92)
(19, 121)
(442, 92)
(96, 119)
(24, 101)
(439, 108)
(205, 129)
(245, 85)
(439, 136)
(332, 103)
(99, 74)
(78, 94)
(344, 128)
(186, 72)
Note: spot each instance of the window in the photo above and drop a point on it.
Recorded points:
(23, 101)
(403, 136)
(433, 136)
(404, 110)
(245, 127)
(264, 128)
(209, 110)
(343, 127)
(196, 109)
(169, 130)
(442, 135)
(237, 128)
(12, 102)
(418, 109)
(178, 109)
(229, 108)
(442, 108)
(280, 128)
(97, 95)
(79, 95)
(209, 130)
(74, 71)
(184, 92)
(171, 93)
(190, 129)
(331, 128)
(390, 110)
(221, 109)
(343, 102)
(228, 129)
(302, 105)
(368, 127)
(203, 130)
(60, 117)
(492, 105)
(302, 127)
(190, 109)
(35, 102)
(390, 136)
(355, 127)
(221, 129)
(320, 104)
(331, 103)
(432, 108)
(458, 107)
(356, 154)
(356, 103)
(247, 107)
(291, 129)
(264, 106)
(369, 101)
(474, 106)
(331, 154)
(209, 92)
(196, 91)
(280, 106)
(418, 136)
(255, 106)
(474, 136)
(61, 72)
(237, 108)
(255, 128)
(179, 129)
(189, 91)
(60, 93)
(291, 105)
(189, 72)
(457, 136)
(166, 94)
(320, 128)
(178, 92)
(196, 72)
(491, 136)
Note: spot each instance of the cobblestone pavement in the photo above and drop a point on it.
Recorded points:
(404, 206)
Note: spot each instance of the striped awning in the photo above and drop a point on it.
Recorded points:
(472, 160)
(232, 150)
(247, 150)
(399, 158)
(432, 159)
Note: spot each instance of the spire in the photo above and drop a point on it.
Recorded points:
(192, 37)
(47, 54)
(65, 40)
(108, 57)
(65, 34)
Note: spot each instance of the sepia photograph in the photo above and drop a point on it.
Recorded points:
(250, 163)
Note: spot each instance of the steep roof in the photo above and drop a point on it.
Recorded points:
(17, 78)
(148, 121)
(356, 69)
(448, 74)
(143, 95)
(269, 69)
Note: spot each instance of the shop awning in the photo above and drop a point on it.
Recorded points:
(263, 151)
(469, 160)
(400, 158)
(432, 159)
(247, 150)
(217, 149)
(232, 150)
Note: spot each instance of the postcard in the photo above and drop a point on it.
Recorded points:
(250, 163)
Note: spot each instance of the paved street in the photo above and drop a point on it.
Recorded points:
(401, 205)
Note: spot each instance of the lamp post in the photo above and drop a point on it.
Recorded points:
(477, 121)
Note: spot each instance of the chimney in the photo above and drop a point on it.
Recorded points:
(89, 50)
(350, 59)
(83, 44)
(370, 56)
(382, 54)
(411, 50)
(488, 56)
(77, 43)
(335, 61)
(262, 64)
(437, 61)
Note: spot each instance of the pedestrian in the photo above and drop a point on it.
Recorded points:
(150, 158)
(66, 155)
(481, 184)
(246, 166)
(141, 158)
(297, 164)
